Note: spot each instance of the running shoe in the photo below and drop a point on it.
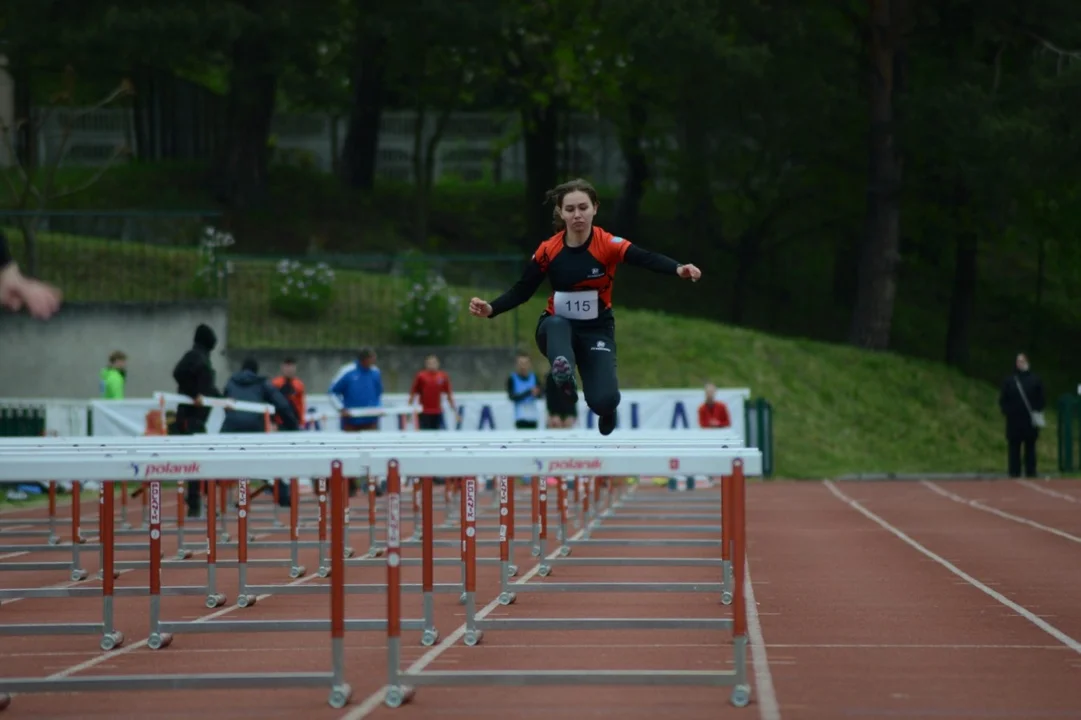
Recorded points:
(563, 375)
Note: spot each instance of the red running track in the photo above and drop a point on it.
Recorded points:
(873, 600)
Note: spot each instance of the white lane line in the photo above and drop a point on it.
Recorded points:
(1018, 609)
(125, 649)
(1001, 513)
(768, 707)
(1048, 491)
(375, 700)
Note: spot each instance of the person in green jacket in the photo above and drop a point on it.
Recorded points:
(114, 376)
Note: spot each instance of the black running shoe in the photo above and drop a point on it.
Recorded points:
(607, 424)
(563, 375)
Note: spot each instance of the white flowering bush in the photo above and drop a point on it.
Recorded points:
(301, 292)
(428, 312)
(213, 269)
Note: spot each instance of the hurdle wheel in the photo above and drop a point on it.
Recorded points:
(183, 554)
(349, 552)
(726, 597)
(157, 641)
(215, 600)
(544, 570)
(395, 697)
(77, 575)
(472, 637)
(111, 641)
(512, 570)
(323, 572)
(507, 598)
(339, 696)
(296, 571)
(246, 600)
(429, 638)
(54, 540)
(564, 551)
(461, 599)
(741, 695)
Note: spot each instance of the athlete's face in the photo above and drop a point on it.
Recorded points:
(577, 210)
(432, 363)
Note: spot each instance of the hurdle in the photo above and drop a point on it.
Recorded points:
(153, 467)
(348, 441)
(402, 685)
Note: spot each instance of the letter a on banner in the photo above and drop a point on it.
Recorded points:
(680, 413)
(486, 418)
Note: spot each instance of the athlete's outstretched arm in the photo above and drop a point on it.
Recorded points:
(18, 292)
(527, 284)
(640, 257)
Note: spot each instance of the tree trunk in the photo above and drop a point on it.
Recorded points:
(359, 154)
(240, 169)
(625, 221)
(876, 290)
(1037, 309)
(962, 299)
(540, 135)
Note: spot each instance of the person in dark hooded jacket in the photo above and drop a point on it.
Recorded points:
(194, 377)
(249, 386)
(1022, 401)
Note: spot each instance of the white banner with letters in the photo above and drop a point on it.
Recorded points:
(638, 410)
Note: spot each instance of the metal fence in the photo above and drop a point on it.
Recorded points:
(273, 301)
(127, 256)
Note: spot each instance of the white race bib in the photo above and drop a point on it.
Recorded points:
(579, 305)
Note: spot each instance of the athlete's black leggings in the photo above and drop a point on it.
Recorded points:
(590, 348)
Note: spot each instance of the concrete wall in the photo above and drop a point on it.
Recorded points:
(470, 369)
(62, 358)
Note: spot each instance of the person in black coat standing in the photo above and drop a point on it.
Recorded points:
(1021, 401)
(194, 377)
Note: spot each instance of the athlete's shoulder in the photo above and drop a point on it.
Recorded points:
(548, 248)
(609, 246)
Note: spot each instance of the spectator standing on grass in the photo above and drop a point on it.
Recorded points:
(1021, 401)
(249, 386)
(114, 376)
(194, 376)
(358, 386)
(429, 386)
(713, 413)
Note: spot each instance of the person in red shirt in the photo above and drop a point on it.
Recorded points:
(429, 386)
(292, 388)
(712, 413)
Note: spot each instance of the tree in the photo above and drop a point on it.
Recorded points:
(886, 29)
(34, 188)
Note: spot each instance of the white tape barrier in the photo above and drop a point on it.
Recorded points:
(171, 400)
(235, 463)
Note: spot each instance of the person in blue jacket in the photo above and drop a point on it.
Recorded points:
(357, 385)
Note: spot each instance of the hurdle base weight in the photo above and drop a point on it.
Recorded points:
(741, 696)
(397, 695)
(111, 641)
(340, 696)
(158, 641)
(507, 598)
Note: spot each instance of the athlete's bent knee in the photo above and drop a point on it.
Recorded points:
(604, 402)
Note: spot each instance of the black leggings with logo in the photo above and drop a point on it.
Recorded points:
(590, 348)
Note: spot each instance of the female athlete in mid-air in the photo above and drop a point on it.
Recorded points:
(578, 327)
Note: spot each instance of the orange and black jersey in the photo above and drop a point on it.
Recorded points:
(590, 266)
